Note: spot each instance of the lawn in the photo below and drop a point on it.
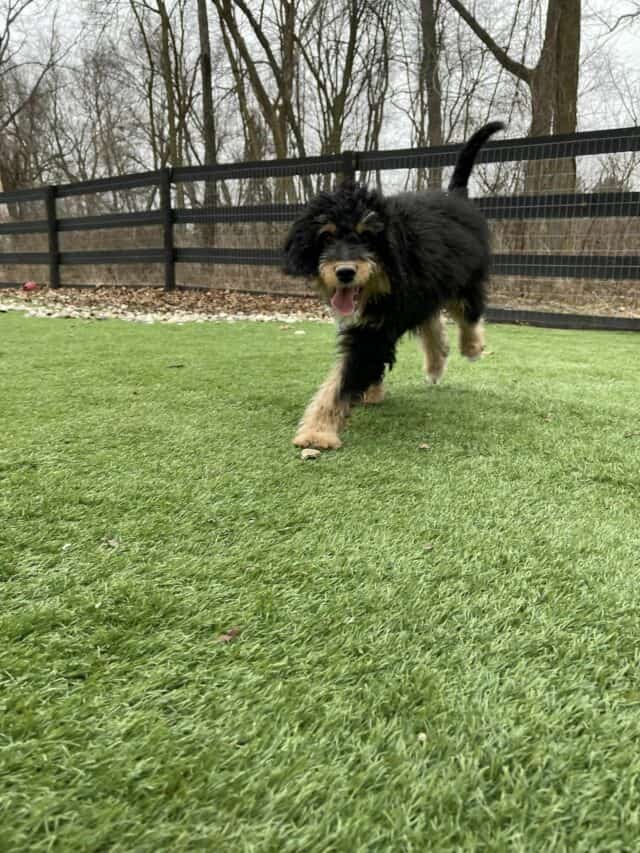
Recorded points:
(437, 648)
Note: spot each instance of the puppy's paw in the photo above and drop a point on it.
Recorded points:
(473, 352)
(373, 396)
(435, 374)
(472, 343)
(317, 438)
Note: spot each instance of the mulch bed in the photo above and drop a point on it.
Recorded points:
(150, 304)
(154, 303)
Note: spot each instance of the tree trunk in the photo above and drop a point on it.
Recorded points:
(276, 110)
(567, 77)
(430, 81)
(208, 118)
(553, 84)
(167, 76)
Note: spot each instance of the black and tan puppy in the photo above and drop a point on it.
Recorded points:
(388, 266)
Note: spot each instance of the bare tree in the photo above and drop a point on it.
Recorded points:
(197, 82)
(208, 113)
(25, 157)
(10, 60)
(96, 117)
(346, 51)
(378, 61)
(430, 84)
(444, 85)
(272, 47)
(552, 81)
(160, 62)
(162, 32)
(627, 18)
(24, 74)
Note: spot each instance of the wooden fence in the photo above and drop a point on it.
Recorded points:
(267, 195)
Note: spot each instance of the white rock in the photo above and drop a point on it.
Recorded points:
(310, 453)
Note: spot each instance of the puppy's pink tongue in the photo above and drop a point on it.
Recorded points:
(342, 300)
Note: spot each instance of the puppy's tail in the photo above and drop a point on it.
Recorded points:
(466, 158)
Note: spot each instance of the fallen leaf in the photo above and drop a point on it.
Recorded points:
(181, 305)
(428, 546)
(175, 365)
(424, 446)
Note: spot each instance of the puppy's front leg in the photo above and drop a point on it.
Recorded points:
(325, 414)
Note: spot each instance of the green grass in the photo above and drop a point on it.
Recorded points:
(439, 648)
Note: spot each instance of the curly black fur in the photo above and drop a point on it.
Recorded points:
(432, 247)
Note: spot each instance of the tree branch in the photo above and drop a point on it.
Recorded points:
(516, 68)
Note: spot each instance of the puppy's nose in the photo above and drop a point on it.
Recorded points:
(345, 274)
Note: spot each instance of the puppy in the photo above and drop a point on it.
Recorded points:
(388, 266)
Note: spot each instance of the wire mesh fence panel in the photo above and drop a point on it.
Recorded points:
(18, 209)
(19, 243)
(566, 295)
(564, 215)
(112, 275)
(258, 279)
(137, 237)
(24, 241)
(15, 275)
(236, 218)
(117, 200)
(233, 233)
(567, 239)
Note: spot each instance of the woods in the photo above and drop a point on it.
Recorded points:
(102, 88)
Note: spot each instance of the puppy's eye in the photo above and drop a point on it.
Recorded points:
(327, 230)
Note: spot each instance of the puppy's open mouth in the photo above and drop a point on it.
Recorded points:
(345, 300)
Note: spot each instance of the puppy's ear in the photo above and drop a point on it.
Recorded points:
(371, 222)
(300, 249)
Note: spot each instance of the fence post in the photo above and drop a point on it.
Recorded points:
(167, 227)
(349, 165)
(52, 231)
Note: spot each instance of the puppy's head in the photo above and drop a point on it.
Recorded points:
(337, 241)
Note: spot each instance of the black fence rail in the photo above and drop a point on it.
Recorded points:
(250, 205)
